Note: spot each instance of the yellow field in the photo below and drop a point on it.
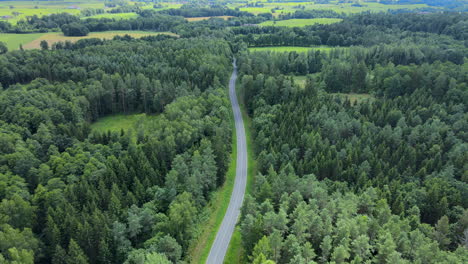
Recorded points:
(193, 19)
(57, 37)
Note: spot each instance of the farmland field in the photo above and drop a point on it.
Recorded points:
(292, 48)
(56, 37)
(301, 22)
(21, 9)
(13, 41)
(164, 6)
(284, 8)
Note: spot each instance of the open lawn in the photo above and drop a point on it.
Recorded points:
(292, 48)
(13, 41)
(56, 37)
(301, 22)
(193, 19)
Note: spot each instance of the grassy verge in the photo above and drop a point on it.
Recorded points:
(235, 253)
(215, 211)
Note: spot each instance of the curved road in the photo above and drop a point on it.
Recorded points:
(223, 237)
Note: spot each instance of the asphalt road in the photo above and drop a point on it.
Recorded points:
(223, 237)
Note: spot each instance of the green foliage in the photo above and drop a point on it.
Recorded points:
(98, 194)
(356, 181)
(301, 22)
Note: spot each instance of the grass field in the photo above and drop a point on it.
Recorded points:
(42, 8)
(115, 123)
(292, 48)
(301, 22)
(300, 80)
(13, 41)
(114, 15)
(193, 19)
(284, 8)
(165, 6)
(56, 37)
(355, 98)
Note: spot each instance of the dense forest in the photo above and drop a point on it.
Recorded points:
(71, 196)
(378, 179)
(381, 180)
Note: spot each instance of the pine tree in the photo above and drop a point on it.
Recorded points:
(75, 254)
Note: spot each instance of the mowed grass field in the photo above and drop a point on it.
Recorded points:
(293, 48)
(301, 22)
(194, 19)
(57, 37)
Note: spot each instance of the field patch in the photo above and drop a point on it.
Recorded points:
(57, 37)
(129, 123)
(193, 19)
(348, 8)
(13, 41)
(301, 22)
(355, 98)
(300, 80)
(13, 11)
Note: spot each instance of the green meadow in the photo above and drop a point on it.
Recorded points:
(348, 8)
(17, 10)
(129, 123)
(355, 98)
(13, 41)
